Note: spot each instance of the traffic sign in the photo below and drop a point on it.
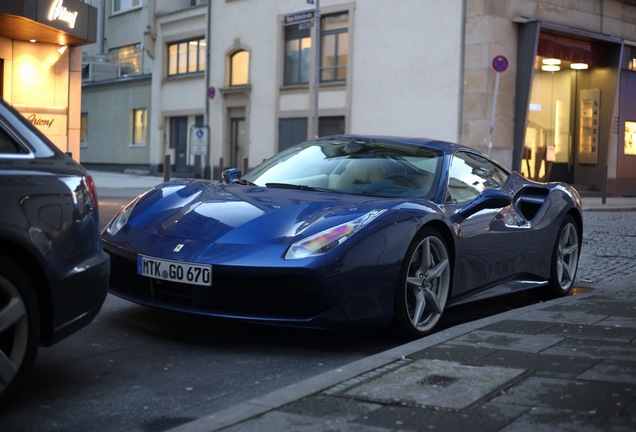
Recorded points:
(500, 63)
(211, 92)
(198, 140)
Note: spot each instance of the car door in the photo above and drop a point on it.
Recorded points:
(492, 242)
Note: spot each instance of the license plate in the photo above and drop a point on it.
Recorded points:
(174, 271)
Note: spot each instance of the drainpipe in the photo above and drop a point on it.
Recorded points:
(101, 13)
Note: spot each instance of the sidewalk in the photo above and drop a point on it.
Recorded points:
(566, 364)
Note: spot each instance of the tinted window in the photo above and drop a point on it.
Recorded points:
(470, 175)
(8, 145)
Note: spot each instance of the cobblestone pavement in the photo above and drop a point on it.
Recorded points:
(609, 247)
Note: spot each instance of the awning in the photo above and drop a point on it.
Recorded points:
(71, 22)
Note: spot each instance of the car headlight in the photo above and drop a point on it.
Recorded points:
(328, 239)
(121, 219)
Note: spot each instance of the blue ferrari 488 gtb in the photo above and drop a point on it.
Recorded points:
(347, 230)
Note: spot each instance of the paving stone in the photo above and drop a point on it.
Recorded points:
(552, 420)
(331, 407)
(434, 383)
(521, 327)
(581, 306)
(562, 317)
(622, 309)
(611, 371)
(593, 349)
(279, 421)
(508, 341)
(457, 353)
(593, 332)
(557, 364)
(489, 417)
(618, 322)
(585, 396)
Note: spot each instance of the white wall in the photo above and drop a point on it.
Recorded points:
(407, 62)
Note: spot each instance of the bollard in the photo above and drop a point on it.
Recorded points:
(166, 167)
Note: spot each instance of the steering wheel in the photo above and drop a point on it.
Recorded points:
(406, 177)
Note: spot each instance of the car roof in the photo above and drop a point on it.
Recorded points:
(445, 146)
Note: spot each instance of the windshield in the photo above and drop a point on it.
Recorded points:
(355, 166)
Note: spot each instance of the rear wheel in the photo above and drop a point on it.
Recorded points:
(565, 258)
(423, 286)
(19, 327)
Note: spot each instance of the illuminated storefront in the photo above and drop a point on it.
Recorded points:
(41, 62)
(565, 128)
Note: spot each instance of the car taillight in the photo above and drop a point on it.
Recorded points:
(90, 188)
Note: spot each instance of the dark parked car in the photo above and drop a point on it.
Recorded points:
(347, 230)
(53, 271)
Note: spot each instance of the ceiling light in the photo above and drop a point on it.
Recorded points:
(551, 61)
(579, 66)
(32, 41)
(550, 68)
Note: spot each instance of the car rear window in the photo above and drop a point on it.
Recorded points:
(8, 145)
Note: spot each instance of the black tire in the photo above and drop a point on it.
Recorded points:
(19, 327)
(565, 258)
(423, 286)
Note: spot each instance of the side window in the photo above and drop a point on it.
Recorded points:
(470, 175)
(8, 145)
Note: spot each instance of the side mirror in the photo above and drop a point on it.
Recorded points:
(231, 175)
(488, 199)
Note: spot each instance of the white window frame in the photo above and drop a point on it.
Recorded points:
(125, 5)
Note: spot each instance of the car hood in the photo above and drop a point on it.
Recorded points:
(204, 211)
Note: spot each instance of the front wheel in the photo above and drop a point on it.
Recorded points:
(423, 286)
(19, 327)
(565, 258)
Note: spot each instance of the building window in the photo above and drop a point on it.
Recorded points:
(297, 54)
(84, 130)
(125, 5)
(291, 131)
(239, 68)
(334, 47)
(129, 58)
(186, 57)
(139, 126)
(331, 126)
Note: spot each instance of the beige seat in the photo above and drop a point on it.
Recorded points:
(360, 171)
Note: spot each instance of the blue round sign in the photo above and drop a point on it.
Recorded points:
(211, 92)
(500, 63)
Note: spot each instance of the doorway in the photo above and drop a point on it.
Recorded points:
(179, 141)
(238, 141)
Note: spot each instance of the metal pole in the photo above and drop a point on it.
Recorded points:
(317, 72)
(493, 112)
(207, 174)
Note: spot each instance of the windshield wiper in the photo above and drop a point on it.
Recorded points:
(300, 187)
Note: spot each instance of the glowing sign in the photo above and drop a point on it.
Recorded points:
(62, 13)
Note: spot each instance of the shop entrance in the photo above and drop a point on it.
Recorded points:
(626, 154)
(567, 120)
